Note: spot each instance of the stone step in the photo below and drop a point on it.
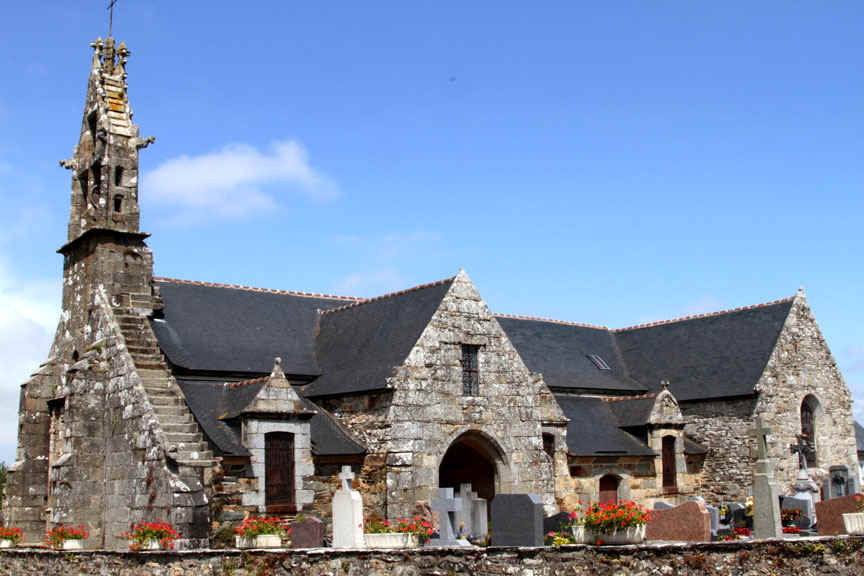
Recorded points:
(191, 455)
(175, 420)
(179, 428)
(148, 365)
(173, 410)
(165, 400)
(186, 438)
(141, 358)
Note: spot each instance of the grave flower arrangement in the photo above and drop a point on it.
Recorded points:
(12, 534)
(154, 535)
(859, 501)
(790, 516)
(421, 528)
(58, 537)
(258, 526)
(611, 517)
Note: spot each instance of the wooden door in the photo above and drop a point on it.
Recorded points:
(609, 489)
(279, 475)
(670, 477)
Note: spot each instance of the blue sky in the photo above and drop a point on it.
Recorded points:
(609, 163)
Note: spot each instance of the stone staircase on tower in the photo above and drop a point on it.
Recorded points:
(185, 443)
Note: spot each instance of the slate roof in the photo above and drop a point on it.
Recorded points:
(360, 344)
(560, 352)
(592, 430)
(631, 412)
(859, 438)
(711, 356)
(221, 328)
(211, 401)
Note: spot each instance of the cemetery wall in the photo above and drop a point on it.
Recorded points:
(842, 556)
(802, 365)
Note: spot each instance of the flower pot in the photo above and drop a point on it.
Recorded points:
(75, 544)
(7, 544)
(244, 541)
(578, 533)
(391, 540)
(631, 535)
(150, 545)
(268, 541)
(854, 523)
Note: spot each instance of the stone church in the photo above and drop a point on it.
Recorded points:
(199, 403)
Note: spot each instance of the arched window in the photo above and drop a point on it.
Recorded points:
(809, 417)
(609, 489)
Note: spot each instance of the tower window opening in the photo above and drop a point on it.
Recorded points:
(118, 203)
(118, 176)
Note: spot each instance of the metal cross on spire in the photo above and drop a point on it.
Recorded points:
(111, 16)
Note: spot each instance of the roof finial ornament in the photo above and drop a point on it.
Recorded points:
(111, 16)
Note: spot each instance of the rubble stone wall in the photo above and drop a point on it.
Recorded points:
(802, 365)
(841, 556)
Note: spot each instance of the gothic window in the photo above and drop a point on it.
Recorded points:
(809, 409)
(470, 370)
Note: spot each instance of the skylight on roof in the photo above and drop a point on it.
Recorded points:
(598, 362)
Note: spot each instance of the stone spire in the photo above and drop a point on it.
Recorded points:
(104, 164)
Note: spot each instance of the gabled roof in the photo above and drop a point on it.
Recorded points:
(560, 351)
(710, 356)
(592, 430)
(222, 328)
(859, 438)
(360, 344)
(630, 412)
(213, 401)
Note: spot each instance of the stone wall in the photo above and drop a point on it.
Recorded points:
(802, 365)
(840, 556)
(723, 427)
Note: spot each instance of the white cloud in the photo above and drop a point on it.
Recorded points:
(236, 181)
(29, 311)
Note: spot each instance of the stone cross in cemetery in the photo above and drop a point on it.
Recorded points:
(766, 503)
(801, 450)
(347, 514)
(446, 506)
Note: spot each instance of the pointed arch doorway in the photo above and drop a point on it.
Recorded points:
(473, 458)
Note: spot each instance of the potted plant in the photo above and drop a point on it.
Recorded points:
(9, 537)
(854, 522)
(260, 533)
(577, 524)
(616, 523)
(404, 534)
(67, 538)
(151, 536)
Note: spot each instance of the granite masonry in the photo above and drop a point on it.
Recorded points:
(202, 404)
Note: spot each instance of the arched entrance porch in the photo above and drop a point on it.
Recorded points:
(473, 458)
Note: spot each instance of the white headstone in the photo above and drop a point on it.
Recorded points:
(463, 517)
(347, 514)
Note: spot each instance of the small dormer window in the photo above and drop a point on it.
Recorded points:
(470, 370)
(598, 362)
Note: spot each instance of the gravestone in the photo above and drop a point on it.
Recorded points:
(737, 515)
(766, 502)
(830, 514)
(347, 510)
(714, 517)
(660, 505)
(462, 518)
(446, 506)
(517, 520)
(559, 522)
(688, 522)
(307, 533)
(479, 517)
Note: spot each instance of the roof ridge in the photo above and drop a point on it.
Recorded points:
(705, 315)
(551, 320)
(360, 302)
(622, 398)
(240, 383)
(254, 289)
